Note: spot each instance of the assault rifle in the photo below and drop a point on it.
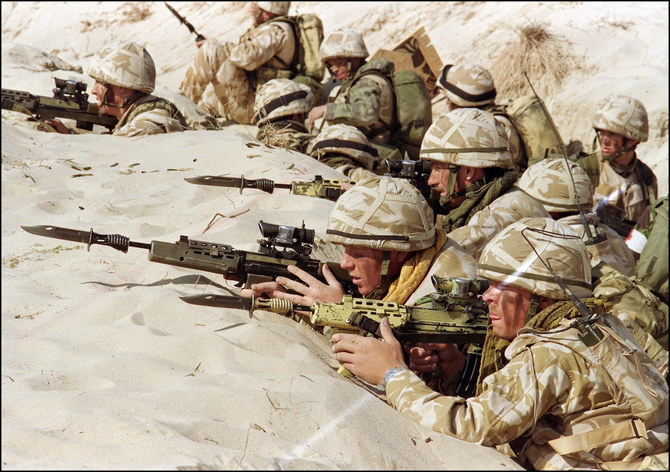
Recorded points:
(70, 101)
(458, 314)
(620, 225)
(329, 189)
(233, 264)
(198, 36)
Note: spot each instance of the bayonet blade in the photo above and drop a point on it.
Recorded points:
(222, 301)
(265, 185)
(61, 233)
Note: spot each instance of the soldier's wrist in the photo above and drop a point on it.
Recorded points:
(390, 373)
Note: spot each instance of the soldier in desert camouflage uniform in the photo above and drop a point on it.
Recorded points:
(263, 53)
(125, 76)
(576, 392)
(471, 86)
(364, 100)
(565, 189)
(624, 185)
(391, 247)
(551, 183)
(472, 169)
(279, 112)
(346, 149)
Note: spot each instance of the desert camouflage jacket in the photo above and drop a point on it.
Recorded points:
(150, 115)
(627, 191)
(559, 402)
(506, 209)
(611, 251)
(271, 44)
(366, 103)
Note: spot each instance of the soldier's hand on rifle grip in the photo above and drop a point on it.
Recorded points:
(366, 357)
(437, 357)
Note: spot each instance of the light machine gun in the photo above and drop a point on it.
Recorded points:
(282, 246)
(70, 101)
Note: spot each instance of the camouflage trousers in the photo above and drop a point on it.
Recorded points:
(231, 95)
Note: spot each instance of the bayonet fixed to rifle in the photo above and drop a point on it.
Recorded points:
(329, 189)
(198, 36)
(70, 101)
(458, 315)
(410, 324)
(282, 246)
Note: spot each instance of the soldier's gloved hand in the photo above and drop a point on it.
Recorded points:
(441, 357)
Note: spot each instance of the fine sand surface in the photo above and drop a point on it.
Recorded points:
(104, 367)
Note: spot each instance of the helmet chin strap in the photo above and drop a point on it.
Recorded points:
(384, 283)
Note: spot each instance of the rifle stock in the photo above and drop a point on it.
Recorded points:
(69, 101)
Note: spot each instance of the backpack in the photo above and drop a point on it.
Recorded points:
(536, 128)
(413, 106)
(309, 33)
(307, 67)
(652, 266)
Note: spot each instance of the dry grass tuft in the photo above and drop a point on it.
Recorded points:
(136, 11)
(545, 57)
(275, 136)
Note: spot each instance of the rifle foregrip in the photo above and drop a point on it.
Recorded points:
(199, 255)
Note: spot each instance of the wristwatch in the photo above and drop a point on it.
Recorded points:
(389, 374)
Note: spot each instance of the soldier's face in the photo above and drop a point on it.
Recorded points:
(610, 143)
(508, 308)
(339, 67)
(364, 266)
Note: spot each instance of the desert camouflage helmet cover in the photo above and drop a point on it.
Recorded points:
(549, 182)
(623, 115)
(346, 140)
(383, 213)
(277, 98)
(467, 137)
(127, 65)
(343, 43)
(517, 256)
(467, 85)
(278, 8)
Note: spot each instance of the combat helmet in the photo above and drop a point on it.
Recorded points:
(382, 213)
(278, 98)
(467, 85)
(623, 115)
(549, 181)
(127, 65)
(346, 140)
(277, 8)
(517, 255)
(343, 43)
(467, 137)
